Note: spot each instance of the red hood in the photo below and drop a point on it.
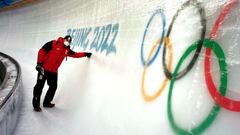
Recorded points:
(60, 40)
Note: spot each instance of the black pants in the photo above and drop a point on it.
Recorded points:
(37, 91)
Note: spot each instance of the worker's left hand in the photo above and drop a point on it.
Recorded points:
(40, 69)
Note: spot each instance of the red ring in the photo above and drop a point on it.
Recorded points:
(224, 102)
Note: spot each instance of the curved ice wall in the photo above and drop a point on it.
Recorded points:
(10, 94)
(123, 89)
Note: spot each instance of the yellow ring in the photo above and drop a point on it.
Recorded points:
(147, 97)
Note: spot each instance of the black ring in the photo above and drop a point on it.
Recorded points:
(200, 42)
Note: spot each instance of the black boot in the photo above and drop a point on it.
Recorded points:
(36, 104)
(50, 105)
(37, 109)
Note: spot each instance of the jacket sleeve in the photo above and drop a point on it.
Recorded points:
(73, 54)
(43, 52)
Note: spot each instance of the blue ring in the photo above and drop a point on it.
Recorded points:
(7, 2)
(158, 11)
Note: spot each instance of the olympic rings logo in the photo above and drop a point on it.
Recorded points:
(210, 45)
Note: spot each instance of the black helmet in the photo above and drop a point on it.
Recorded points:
(68, 38)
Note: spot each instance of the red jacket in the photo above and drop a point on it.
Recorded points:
(51, 55)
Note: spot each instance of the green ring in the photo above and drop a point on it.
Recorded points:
(215, 110)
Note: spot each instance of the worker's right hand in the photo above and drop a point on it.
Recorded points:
(88, 54)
